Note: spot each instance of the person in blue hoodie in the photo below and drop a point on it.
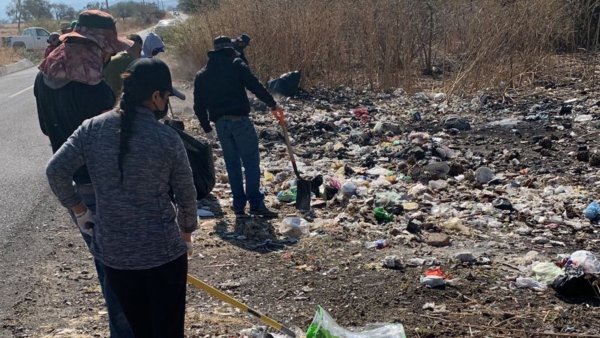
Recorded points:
(153, 45)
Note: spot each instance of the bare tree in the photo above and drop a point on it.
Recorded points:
(15, 11)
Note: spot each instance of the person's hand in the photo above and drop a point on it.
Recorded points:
(278, 114)
(85, 222)
(211, 135)
(187, 238)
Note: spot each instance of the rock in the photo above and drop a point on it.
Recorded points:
(438, 240)
(417, 152)
(338, 146)
(444, 152)
(414, 226)
(456, 169)
(458, 123)
(524, 231)
(392, 262)
(415, 262)
(583, 156)
(438, 185)
(436, 170)
(540, 240)
(465, 257)
(484, 175)
(546, 143)
(595, 159)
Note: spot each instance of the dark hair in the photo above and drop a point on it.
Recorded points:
(136, 39)
(134, 94)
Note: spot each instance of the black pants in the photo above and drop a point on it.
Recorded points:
(154, 299)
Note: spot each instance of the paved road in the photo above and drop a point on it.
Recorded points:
(24, 150)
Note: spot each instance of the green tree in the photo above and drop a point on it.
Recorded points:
(124, 10)
(191, 6)
(63, 12)
(93, 5)
(37, 9)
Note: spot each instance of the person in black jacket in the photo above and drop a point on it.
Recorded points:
(239, 44)
(220, 97)
(68, 90)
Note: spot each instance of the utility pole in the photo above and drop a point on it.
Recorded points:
(107, 5)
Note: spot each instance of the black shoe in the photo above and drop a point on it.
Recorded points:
(240, 212)
(263, 212)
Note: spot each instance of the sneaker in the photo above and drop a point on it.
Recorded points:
(263, 211)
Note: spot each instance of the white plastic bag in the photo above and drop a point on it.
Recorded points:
(586, 260)
(323, 326)
(294, 227)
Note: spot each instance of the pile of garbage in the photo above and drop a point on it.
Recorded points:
(576, 275)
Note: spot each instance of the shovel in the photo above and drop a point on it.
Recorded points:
(234, 302)
(303, 187)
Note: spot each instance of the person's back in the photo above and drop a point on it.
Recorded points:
(61, 110)
(220, 87)
(118, 64)
(142, 199)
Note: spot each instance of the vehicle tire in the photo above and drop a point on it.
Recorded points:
(19, 47)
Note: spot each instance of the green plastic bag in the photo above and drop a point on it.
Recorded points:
(287, 196)
(382, 215)
(323, 326)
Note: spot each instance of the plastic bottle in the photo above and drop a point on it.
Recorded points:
(378, 244)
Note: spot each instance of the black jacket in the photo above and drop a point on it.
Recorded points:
(242, 56)
(220, 88)
(62, 110)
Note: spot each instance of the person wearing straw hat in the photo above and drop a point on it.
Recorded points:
(138, 234)
(68, 90)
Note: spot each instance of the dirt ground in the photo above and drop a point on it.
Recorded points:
(287, 279)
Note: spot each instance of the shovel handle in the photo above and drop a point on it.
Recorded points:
(286, 138)
(234, 302)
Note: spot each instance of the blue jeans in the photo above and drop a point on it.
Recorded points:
(240, 147)
(117, 323)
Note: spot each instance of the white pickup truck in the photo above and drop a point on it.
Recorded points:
(30, 39)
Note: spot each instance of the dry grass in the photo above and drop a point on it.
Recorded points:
(8, 29)
(463, 44)
(7, 56)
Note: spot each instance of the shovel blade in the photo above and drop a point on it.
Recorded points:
(303, 194)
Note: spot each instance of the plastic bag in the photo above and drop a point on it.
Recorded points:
(388, 198)
(530, 283)
(295, 227)
(592, 211)
(287, 196)
(546, 272)
(382, 215)
(586, 260)
(576, 283)
(200, 156)
(324, 326)
(286, 85)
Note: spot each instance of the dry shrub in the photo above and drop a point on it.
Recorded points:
(465, 44)
(7, 56)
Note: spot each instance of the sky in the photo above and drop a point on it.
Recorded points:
(77, 4)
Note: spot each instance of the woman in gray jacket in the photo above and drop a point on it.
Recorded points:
(137, 232)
